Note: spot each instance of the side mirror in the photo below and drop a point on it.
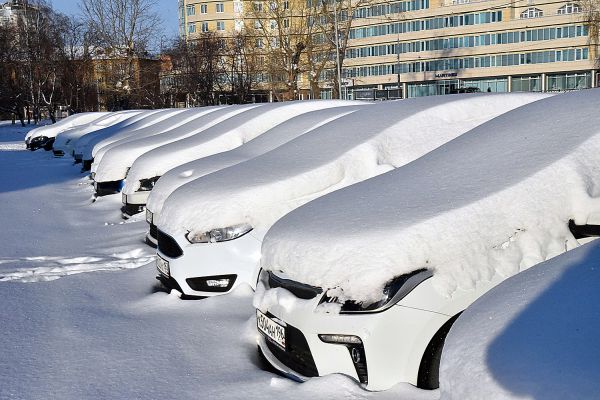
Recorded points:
(587, 230)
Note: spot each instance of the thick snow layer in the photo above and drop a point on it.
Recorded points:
(64, 124)
(115, 335)
(173, 120)
(121, 155)
(534, 336)
(494, 201)
(85, 145)
(142, 127)
(363, 144)
(268, 141)
(116, 120)
(227, 135)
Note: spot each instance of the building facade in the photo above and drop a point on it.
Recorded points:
(413, 48)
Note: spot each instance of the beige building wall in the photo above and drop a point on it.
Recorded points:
(417, 66)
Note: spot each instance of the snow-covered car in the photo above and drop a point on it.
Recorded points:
(44, 135)
(228, 134)
(534, 336)
(130, 147)
(210, 230)
(188, 172)
(66, 140)
(116, 166)
(368, 280)
(85, 145)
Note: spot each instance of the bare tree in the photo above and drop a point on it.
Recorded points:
(124, 30)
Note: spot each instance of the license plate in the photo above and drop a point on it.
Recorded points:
(271, 329)
(163, 266)
(124, 198)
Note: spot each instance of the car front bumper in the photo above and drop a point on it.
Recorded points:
(393, 342)
(237, 259)
(134, 203)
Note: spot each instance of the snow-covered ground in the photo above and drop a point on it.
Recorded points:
(534, 336)
(104, 329)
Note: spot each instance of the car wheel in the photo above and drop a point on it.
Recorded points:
(429, 369)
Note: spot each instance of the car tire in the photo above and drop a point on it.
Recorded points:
(429, 369)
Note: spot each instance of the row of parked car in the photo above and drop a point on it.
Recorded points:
(365, 228)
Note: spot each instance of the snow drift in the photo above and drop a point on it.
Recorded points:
(534, 336)
(363, 144)
(494, 201)
(227, 135)
(270, 140)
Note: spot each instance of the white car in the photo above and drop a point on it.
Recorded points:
(66, 140)
(368, 280)
(210, 230)
(85, 146)
(268, 141)
(120, 154)
(228, 134)
(44, 135)
(534, 336)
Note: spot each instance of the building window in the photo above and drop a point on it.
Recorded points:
(205, 27)
(273, 24)
(570, 8)
(257, 24)
(191, 27)
(563, 82)
(203, 8)
(257, 6)
(191, 10)
(286, 5)
(532, 13)
(238, 7)
(286, 23)
(220, 7)
(259, 43)
(527, 84)
(220, 25)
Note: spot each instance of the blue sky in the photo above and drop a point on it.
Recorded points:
(167, 9)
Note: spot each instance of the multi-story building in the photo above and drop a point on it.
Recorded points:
(439, 47)
(221, 16)
(428, 47)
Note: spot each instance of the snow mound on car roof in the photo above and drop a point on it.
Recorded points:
(533, 336)
(366, 143)
(274, 138)
(493, 201)
(225, 136)
(111, 161)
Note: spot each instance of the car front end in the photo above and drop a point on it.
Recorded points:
(209, 263)
(311, 334)
(134, 202)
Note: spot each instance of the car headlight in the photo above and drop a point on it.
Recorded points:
(394, 291)
(147, 184)
(149, 216)
(219, 234)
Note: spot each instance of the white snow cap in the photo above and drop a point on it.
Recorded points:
(268, 141)
(228, 134)
(365, 143)
(493, 201)
(111, 161)
(534, 336)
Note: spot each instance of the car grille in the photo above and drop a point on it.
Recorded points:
(298, 289)
(108, 187)
(297, 354)
(132, 209)
(168, 246)
(153, 231)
